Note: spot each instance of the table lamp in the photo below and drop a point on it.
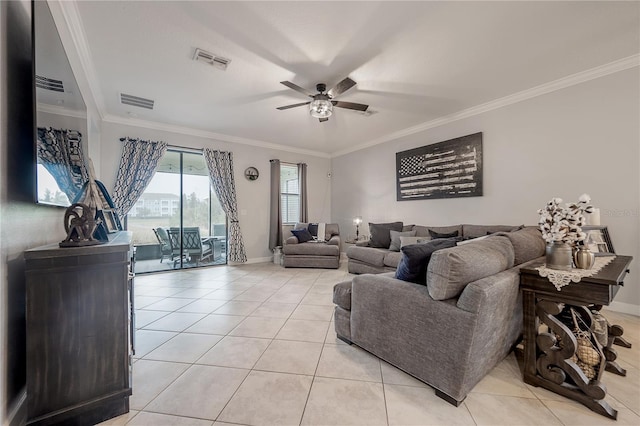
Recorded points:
(357, 221)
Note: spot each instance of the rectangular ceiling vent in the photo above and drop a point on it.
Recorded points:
(136, 101)
(211, 59)
(49, 84)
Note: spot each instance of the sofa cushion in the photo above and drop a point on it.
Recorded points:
(331, 229)
(450, 270)
(302, 235)
(312, 249)
(423, 231)
(392, 259)
(415, 258)
(474, 231)
(405, 241)
(380, 233)
(395, 238)
(372, 256)
(527, 244)
(436, 235)
(342, 295)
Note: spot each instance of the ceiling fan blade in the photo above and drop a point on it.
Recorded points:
(350, 105)
(293, 106)
(297, 88)
(323, 119)
(341, 87)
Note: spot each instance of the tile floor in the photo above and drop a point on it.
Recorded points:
(255, 344)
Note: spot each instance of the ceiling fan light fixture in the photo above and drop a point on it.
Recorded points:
(321, 108)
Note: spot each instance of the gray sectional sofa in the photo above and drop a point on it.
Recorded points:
(364, 259)
(313, 254)
(452, 331)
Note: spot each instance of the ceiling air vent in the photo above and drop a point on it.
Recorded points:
(136, 101)
(211, 59)
(49, 84)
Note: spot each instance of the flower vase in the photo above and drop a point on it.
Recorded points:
(559, 256)
(584, 259)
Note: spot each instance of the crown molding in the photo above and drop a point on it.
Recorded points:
(552, 86)
(68, 11)
(153, 125)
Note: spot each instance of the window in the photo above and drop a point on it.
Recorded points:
(289, 193)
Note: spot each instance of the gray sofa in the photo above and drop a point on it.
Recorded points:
(369, 260)
(313, 254)
(452, 331)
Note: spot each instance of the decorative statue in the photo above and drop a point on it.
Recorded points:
(79, 223)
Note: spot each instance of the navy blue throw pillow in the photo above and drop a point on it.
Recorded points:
(415, 259)
(313, 229)
(302, 235)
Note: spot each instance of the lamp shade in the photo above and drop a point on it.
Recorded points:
(357, 220)
(321, 108)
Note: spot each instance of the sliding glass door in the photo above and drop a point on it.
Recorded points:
(178, 221)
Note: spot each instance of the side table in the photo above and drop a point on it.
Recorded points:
(546, 363)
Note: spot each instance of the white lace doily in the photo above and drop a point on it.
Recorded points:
(562, 278)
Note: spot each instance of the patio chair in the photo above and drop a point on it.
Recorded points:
(193, 247)
(165, 243)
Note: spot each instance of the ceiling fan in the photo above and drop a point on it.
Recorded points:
(321, 107)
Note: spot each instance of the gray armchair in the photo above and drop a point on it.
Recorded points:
(313, 254)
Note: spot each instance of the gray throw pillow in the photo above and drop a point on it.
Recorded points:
(407, 241)
(395, 239)
(380, 233)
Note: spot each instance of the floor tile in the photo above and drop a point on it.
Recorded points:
(162, 291)
(345, 402)
(239, 352)
(494, 410)
(290, 357)
(274, 310)
(410, 405)
(169, 304)
(194, 292)
(184, 347)
(624, 388)
(175, 321)
(317, 299)
(223, 294)
(236, 307)
(201, 392)
(348, 362)
(313, 312)
(258, 327)
(268, 398)
(573, 413)
(144, 317)
(150, 378)
(144, 301)
(254, 295)
(202, 306)
(147, 419)
(148, 340)
(304, 330)
(503, 380)
(216, 324)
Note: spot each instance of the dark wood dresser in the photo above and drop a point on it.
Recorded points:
(79, 332)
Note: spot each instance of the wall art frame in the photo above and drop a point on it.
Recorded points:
(448, 169)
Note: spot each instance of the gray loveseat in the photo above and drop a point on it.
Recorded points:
(364, 259)
(313, 254)
(452, 331)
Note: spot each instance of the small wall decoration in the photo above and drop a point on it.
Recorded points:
(448, 169)
(251, 173)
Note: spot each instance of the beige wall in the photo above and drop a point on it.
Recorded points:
(252, 196)
(584, 138)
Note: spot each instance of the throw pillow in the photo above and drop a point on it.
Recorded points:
(415, 259)
(302, 235)
(436, 235)
(313, 229)
(395, 239)
(380, 233)
(406, 241)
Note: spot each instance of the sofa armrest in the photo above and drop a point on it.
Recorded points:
(334, 240)
(291, 240)
(362, 243)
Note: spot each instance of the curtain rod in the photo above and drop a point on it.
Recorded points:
(169, 146)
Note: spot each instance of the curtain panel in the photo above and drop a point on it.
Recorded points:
(220, 165)
(60, 152)
(302, 179)
(275, 218)
(137, 166)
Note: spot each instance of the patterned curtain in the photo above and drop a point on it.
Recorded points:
(302, 179)
(60, 152)
(220, 165)
(275, 218)
(137, 166)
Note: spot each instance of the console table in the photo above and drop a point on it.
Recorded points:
(546, 363)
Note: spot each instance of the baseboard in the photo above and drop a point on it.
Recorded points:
(17, 413)
(625, 308)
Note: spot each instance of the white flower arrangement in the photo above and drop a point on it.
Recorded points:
(563, 223)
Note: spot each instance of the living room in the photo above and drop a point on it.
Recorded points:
(561, 119)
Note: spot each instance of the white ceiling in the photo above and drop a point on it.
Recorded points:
(413, 61)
